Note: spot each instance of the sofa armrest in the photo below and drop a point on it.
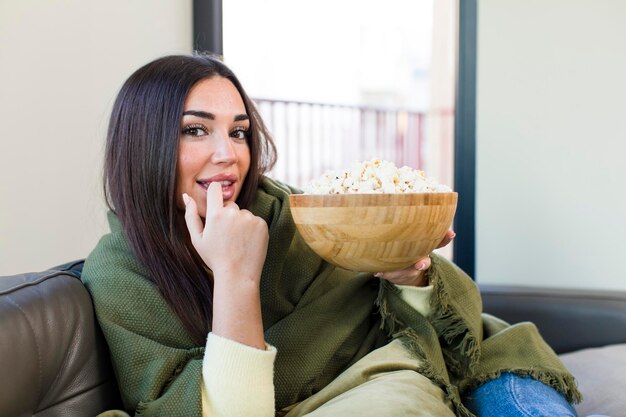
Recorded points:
(54, 359)
(568, 319)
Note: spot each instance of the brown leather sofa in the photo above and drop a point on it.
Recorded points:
(54, 361)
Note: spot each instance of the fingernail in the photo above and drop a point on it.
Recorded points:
(453, 235)
(186, 199)
(420, 266)
(378, 274)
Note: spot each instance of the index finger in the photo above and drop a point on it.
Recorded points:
(214, 197)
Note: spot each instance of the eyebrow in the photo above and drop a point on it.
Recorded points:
(211, 116)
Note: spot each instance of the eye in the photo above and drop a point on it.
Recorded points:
(240, 133)
(194, 130)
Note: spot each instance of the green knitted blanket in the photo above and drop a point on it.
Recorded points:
(322, 319)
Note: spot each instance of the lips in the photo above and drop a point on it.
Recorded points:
(227, 181)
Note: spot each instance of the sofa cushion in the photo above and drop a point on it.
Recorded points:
(53, 357)
(600, 374)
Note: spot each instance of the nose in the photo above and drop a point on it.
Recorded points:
(224, 151)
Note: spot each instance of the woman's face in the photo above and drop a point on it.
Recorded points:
(213, 143)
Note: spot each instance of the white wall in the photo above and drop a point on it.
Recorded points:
(61, 65)
(551, 143)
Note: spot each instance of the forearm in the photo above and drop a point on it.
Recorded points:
(237, 311)
(238, 366)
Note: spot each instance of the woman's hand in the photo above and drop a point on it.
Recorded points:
(233, 244)
(415, 275)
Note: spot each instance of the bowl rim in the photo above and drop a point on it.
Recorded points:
(372, 199)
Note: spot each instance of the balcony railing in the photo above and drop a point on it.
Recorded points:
(312, 138)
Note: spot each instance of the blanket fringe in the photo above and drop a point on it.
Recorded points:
(444, 318)
(463, 351)
(451, 327)
(396, 329)
(411, 341)
(565, 384)
(389, 321)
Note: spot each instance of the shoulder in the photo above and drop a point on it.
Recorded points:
(115, 279)
(272, 200)
(113, 265)
(124, 296)
(276, 188)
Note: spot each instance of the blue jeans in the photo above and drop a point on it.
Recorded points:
(514, 396)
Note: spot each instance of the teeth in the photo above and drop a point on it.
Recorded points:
(224, 183)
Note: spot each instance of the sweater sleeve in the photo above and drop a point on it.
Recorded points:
(237, 379)
(417, 297)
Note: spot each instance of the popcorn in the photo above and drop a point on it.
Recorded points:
(374, 177)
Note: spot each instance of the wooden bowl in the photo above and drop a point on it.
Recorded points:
(373, 232)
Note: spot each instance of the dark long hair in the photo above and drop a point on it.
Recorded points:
(140, 178)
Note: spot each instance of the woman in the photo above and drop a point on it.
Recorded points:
(213, 305)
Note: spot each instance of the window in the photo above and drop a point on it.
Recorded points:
(341, 82)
